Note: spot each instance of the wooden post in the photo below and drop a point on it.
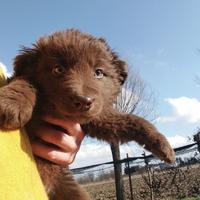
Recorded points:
(118, 172)
(197, 139)
(129, 175)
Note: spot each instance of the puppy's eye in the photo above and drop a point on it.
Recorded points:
(99, 73)
(58, 69)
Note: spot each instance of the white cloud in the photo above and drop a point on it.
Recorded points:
(165, 119)
(188, 108)
(92, 153)
(184, 109)
(161, 52)
(177, 141)
(8, 74)
(156, 61)
(100, 152)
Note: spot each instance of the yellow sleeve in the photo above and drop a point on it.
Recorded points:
(19, 178)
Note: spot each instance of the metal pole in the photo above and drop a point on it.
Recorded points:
(129, 175)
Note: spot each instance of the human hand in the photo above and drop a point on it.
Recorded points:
(67, 143)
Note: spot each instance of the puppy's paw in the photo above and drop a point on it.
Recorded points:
(169, 154)
(163, 150)
(15, 110)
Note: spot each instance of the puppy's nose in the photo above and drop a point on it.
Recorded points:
(83, 103)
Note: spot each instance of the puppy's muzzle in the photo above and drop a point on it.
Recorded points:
(82, 103)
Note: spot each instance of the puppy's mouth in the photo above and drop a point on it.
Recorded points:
(82, 117)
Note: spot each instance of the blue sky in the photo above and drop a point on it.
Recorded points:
(159, 38)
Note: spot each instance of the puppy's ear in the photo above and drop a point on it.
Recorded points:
(121, 66)
(24, 62)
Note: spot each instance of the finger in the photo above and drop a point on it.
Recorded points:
(59, 122)
(51, 154)
(58, 138)
(73, 128)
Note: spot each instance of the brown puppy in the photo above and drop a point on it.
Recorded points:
(76, 76)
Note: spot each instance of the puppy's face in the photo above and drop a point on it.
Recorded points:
(76, 74)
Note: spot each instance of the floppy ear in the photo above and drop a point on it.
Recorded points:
(25, 61)
(121, 66)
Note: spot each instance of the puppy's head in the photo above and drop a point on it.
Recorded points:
(77, 75)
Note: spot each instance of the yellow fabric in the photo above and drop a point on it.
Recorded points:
(19, 178)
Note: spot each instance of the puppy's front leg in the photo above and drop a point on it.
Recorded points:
(125, 127)
(17, 100)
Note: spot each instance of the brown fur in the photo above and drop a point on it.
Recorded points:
(58, 76)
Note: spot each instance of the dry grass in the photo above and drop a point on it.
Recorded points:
(172, 184)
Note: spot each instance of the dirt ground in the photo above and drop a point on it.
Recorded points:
(169, 184)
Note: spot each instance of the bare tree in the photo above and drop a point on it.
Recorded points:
(135, 98)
